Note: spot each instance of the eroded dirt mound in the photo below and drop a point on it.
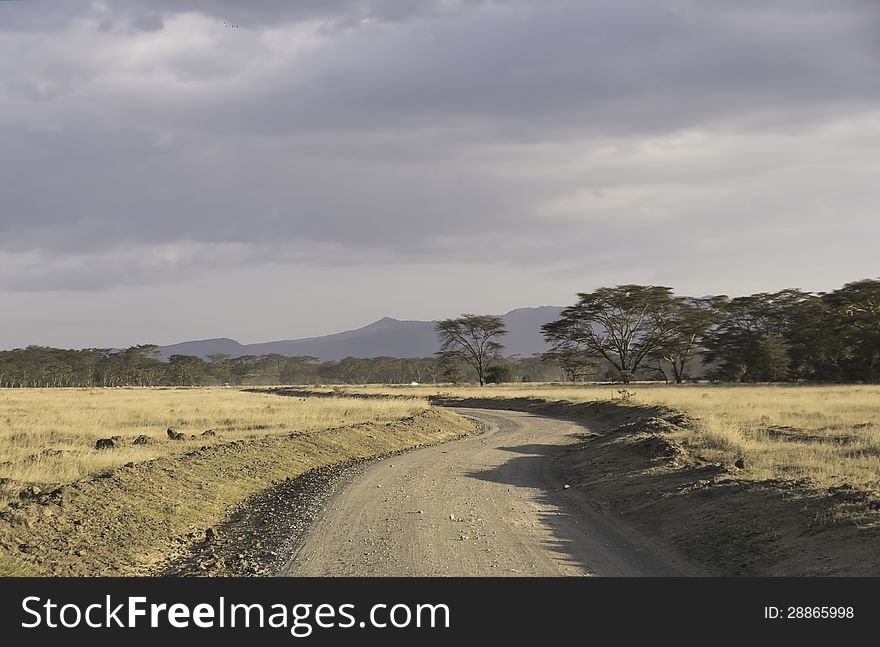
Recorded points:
(737, 526)
(630, 465)
(127, 520)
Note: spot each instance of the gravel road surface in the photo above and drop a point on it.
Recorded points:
(489, 505)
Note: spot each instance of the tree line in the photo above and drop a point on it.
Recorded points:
(622, 333)
(632, 332)
(38, 366)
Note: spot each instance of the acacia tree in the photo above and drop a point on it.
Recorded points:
(856, 309)
(451, 368)
(625, 325)
(472, 338)
(752, 341)
(683, 327)
(187, 370)
(576, 366)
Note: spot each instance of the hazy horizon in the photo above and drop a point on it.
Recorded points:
(323, 165)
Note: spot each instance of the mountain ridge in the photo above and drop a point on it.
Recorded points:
(384, 337)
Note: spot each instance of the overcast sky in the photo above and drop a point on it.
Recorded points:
(184, 169)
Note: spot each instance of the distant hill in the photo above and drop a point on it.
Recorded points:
(386, 337)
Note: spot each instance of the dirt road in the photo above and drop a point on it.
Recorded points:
(489, 505)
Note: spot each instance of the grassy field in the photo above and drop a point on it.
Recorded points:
(829, 434)
(159, 498)
(133, 519)
(48, 435)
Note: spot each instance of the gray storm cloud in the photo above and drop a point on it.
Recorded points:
(145, 141)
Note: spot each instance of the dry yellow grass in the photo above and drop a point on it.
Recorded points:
(135, 517)
(48, 435)
(830, 434)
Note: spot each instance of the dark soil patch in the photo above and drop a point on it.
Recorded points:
(265, 531)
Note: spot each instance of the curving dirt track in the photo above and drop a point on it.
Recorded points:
(488, 505)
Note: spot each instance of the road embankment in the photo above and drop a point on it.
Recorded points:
(130, 520)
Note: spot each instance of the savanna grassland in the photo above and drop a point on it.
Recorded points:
(749, 480)
(49, 435)
(77, 510)
(827, 434)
